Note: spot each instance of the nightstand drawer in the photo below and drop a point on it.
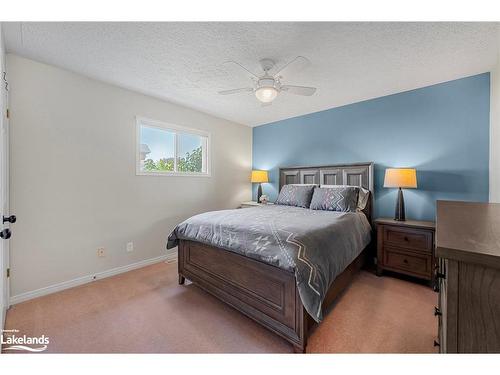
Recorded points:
(406, 247)
(408, 262)
(408, 237)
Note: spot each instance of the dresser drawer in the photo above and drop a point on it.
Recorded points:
(409, 238)
(408, 262)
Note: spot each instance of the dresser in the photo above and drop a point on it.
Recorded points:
(406, 247)
(468, 251)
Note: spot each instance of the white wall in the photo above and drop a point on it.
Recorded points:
(495, 132)
(73, 182)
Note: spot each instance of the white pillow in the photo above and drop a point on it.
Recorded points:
(364, 195)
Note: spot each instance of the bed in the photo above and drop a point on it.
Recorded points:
(281, 266)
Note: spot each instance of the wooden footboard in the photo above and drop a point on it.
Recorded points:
(265, 293)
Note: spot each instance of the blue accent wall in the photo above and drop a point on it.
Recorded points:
(441, 130)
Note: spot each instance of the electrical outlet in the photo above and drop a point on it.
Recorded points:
(101, 252)
(130, 247)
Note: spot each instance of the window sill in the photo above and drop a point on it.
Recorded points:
(173, 174)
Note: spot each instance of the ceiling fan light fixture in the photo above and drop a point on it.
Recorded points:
(269, 84)
(266, 94)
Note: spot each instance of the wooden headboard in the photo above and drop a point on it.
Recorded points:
(357, 174)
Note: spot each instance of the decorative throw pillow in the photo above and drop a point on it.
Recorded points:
(296, 195)
(344, 199)
(363, 195)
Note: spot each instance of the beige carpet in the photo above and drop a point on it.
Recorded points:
(145, 311)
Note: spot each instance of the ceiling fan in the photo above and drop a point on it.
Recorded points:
(268, 85)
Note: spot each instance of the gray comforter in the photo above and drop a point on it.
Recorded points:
(316, 245)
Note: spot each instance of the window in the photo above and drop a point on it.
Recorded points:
(171, 150)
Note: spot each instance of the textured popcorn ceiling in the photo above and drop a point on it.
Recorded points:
(182, 62)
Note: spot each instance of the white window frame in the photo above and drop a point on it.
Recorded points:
(176, 129)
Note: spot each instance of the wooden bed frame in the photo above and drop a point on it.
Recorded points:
(265, 293)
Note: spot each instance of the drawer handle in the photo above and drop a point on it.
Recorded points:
(436, 343)
(405, 261)
(435, 287)
(437, 312)
(406, 239)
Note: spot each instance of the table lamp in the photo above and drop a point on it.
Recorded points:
(401, 178)
(259, 177)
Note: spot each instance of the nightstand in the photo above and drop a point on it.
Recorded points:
(406, 247)
(252, 204)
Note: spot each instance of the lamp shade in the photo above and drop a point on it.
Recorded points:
(259, 176)
(400, 178)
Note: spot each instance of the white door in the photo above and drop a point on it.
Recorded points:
(4, 198)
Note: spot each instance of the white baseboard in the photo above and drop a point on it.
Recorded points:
(170, 257)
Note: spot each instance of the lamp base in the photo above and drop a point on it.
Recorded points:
(259, 193)
(400, 207)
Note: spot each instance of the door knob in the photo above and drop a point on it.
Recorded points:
(9, 219)
(5, 234)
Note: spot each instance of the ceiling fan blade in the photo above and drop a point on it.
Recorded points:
(235, 91)
(294, 66)
(237, 67)
(299, 90)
